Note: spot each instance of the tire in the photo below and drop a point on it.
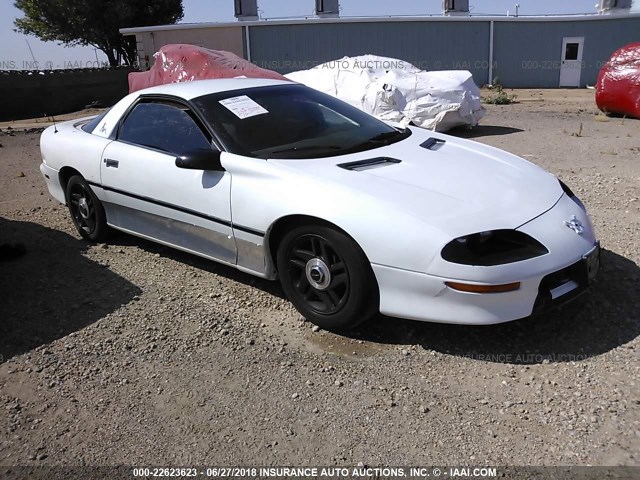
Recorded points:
(86, 210)
(327, 277)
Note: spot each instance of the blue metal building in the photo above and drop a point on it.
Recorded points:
(523, 52)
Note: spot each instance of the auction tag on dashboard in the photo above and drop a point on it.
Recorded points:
(243, 106)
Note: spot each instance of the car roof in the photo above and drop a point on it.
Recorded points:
(198, 88)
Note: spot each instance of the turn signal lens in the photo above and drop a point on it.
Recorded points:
(466, 287)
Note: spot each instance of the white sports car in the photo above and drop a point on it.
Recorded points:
(353, 216)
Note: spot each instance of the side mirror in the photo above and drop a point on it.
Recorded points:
(200, 159)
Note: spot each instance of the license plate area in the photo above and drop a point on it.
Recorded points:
(591, 263)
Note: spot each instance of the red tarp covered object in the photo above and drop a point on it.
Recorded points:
(185, 63)
(618, 88)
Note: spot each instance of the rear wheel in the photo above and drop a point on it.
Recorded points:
(86, 210)
(327, 277)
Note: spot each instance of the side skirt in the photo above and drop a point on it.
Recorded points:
(195, 239)
(193, 252)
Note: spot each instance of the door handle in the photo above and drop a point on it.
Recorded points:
(111, 163)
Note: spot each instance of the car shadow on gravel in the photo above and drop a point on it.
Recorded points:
(603, 319)
(52, 290)
(483, 131)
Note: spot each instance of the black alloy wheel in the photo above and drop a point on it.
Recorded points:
(327, 277)
(86, 210)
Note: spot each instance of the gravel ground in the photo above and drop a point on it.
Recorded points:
(132, 353)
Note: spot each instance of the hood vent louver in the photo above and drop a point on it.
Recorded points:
(368, 164)
(433, 143)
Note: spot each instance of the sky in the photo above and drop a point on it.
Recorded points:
(18, 51)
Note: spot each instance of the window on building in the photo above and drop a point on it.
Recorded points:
(571, 51)
(238, 7)
(450, 5)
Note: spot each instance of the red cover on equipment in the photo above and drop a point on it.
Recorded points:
(618, 88)
(185, 63)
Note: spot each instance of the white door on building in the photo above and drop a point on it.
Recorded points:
(571, 67)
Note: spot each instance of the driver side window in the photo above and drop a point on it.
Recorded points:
(162, 126)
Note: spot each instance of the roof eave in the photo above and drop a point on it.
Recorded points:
(423, 18)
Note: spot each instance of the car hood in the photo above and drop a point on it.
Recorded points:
(459, 186)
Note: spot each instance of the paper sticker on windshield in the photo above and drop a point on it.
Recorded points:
(243, 106)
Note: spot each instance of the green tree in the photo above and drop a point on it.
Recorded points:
(95, 22)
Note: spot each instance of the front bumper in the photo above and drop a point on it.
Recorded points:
(563, 286)
(419, 296)
(546, 282)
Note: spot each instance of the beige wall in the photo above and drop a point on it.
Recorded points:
(224, 38)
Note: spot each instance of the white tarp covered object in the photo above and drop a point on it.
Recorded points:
(398, 92)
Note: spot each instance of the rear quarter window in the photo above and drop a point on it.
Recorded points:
(90, 126)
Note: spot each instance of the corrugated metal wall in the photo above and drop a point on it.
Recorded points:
(528, 54)
(428, 45)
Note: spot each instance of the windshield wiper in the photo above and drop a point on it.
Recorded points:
(309, 147)
(384, 137)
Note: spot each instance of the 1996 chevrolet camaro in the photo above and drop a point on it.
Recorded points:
(353, 216)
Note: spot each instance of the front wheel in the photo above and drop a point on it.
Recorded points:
(86, 210)
(327, 277)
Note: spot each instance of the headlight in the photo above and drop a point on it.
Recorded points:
(496, 247)
(571, 195)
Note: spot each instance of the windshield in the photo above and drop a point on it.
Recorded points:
(292, 121)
